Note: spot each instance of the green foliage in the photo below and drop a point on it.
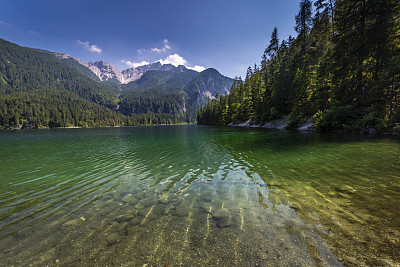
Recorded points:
(336, 118)
(80, 68)
(171, 104)
(178, 92)
(25, 69)
(50, 108)
(38, 90)
(343, 70)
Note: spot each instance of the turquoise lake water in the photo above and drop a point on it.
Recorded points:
(193, 195)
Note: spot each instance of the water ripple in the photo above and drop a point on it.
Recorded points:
(265, 197)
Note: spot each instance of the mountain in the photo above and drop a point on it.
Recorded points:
(98, 71)
(178, 91)
(155, 76)
(105, 71)
(134, 74)
(158, 88)
(37, 90)
(41, 89)
(197, 88)
(170, 79)
(77, 64)
(207, 85)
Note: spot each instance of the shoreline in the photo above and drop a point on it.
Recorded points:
(281, 124)
(90, 127)
(306, 126)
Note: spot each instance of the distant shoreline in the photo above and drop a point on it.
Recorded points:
(90, 127)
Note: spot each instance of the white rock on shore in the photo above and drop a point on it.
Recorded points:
(277, 124)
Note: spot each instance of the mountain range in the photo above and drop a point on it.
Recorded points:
(48, 89)
(155, 78)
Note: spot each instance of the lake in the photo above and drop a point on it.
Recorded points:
(198, 196)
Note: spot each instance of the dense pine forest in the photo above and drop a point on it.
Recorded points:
(39, 90)
(342, 72)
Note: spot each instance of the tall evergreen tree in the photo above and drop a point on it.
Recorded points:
(350, 51)
(304, 22)
(326, 7)
(273, 46)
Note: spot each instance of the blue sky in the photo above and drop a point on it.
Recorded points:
(228, 35)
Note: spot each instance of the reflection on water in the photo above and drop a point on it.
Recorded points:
(193, 195)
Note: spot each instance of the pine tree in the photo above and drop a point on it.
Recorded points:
(327, 7)
(304, 22)
(273, 46)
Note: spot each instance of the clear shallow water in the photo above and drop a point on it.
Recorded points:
(197, 195)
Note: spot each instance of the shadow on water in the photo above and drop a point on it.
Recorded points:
(197, 195)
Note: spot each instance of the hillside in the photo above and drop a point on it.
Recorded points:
(37, 90)
(76, 64)
(207, 85)
(40, 89)
(177, 91)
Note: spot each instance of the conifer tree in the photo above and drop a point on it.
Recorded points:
(273, 46)
(304, 22)
(326, 7)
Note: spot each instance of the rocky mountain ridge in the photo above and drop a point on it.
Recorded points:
(105, 71)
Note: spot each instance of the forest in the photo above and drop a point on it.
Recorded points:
(37, 90)
(342, 72)
(40, 90)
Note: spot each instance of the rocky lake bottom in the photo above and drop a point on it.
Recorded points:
(195, 196)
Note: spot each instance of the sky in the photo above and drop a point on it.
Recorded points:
(228, 35)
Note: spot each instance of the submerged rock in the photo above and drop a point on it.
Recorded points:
(128, 198)
(163, 200)
(224, 223)
(139, 206)
(221, 213)
(124, 218)
(181, 211)
(221, 216)
(70, 224)
(152, 217)
(113, 238)
(205, 207)
(135, 221)
(346, 189)
(131, 230)
(159, 209)
(122, 228)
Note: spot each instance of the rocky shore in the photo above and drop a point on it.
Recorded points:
(280, 124)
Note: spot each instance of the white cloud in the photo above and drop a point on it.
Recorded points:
(135, 64)
(162, 50)
(91, 48)
(177, 60)
(166, 45)
(174, 59)
(197, 68)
